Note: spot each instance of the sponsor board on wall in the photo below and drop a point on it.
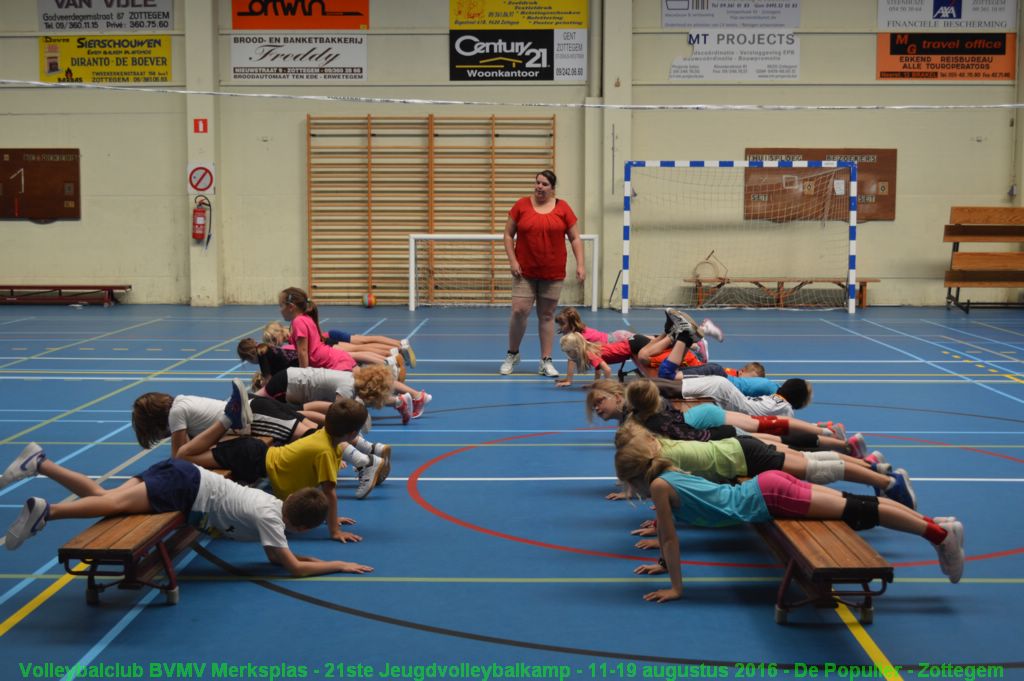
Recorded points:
(518, 40)
(105, 59)
(102, 16)
(730, 54)
(730, 13)
(484, 14)
(946, 56)
(948, 15)
(876, 182)
(300, 15)
(296, 57)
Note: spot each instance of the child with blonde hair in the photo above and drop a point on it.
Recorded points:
(681, 497)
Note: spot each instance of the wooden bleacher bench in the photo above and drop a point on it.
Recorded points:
(983, 269)
(137, 550)
(821, 554)
(707, 287)
(36, 294)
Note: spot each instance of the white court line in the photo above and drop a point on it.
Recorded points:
(612, 479)
(15, 321)
(237, 366)
(965, 379)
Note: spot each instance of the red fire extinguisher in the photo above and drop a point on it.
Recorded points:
(200, 218)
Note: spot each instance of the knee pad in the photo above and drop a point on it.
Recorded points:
(823, 472)
(801, 440)
(822, 456)
(772, 425)
(861, 512)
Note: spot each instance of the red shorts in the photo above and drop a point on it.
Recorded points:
(785, 496)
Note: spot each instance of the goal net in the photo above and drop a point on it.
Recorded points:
(472, 270)
(739, 233)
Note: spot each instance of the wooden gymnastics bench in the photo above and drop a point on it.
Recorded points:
(985, 269)
(138, 550)
(35, 294)
(820, 554)
(705, 288)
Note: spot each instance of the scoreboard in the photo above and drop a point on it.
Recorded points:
(40, 184)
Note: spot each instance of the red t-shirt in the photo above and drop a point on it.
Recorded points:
(540, 239)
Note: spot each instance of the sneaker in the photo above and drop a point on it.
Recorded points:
(400, 361)
(700, 351)
(547, 368)
(369, 476)
(511, 360)
(944, 519)
(837, 429)
(28, 523)
(878, 463)
(709, 328)
(24, 466)
(392, 363)
(407, 353)
(682, 333)
(420, 403)
(858, 448)
(404, 407)
(384, 452)
(951, 551)
(676, 318)
(237, 409)
(901, 491)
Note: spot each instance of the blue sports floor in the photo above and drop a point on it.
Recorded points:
(495, 553)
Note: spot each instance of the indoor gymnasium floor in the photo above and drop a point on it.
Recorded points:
(495, 553)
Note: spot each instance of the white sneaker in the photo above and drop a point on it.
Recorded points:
(511, 360)
(951, 551)
(384, 452)
(25, 465)
(28, 523)
(237, 408)
(709, 328)
(408, 353)
(392, 363)
(420, 403)
(369, 476)
(547, 368)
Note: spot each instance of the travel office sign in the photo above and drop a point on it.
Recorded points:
(517, 40)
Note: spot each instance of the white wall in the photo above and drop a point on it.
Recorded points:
(135, 147)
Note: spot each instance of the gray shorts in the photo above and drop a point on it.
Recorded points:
(536, 289)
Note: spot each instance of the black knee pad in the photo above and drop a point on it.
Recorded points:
(801, 440)
(861, 512)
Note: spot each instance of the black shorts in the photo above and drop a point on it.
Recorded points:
(760, 456)
(277, 386)
(171, 485)
(245, 457)
(637, 343)
(274, 419)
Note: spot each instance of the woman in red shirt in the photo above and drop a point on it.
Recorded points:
(535, 235)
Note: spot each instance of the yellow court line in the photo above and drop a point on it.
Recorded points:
(129, 386)
(87, 340)
(881, 662)
(32, 605)
(27, 609)
(1012, 378)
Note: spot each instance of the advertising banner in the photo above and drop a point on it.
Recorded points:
(947, 56)
(496, 14)
(730, 13)
(103, 16)
(300, 15)
(948, 15)
(730, 54)
(291, 56)
(105, 59)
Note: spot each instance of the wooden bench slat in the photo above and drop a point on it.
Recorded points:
(829, 547)
(986, 215)
(119, 536)
(983, 233)
(984, 279)
(1008, 261)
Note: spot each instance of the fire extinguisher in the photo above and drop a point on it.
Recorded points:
(200, 219)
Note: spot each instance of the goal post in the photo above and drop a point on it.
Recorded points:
(768, 223)
(471, 269)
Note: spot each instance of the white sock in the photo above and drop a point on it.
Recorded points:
(362, 445)
(224, 421)
(354, 457)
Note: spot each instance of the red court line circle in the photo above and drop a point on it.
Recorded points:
(412, 486)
